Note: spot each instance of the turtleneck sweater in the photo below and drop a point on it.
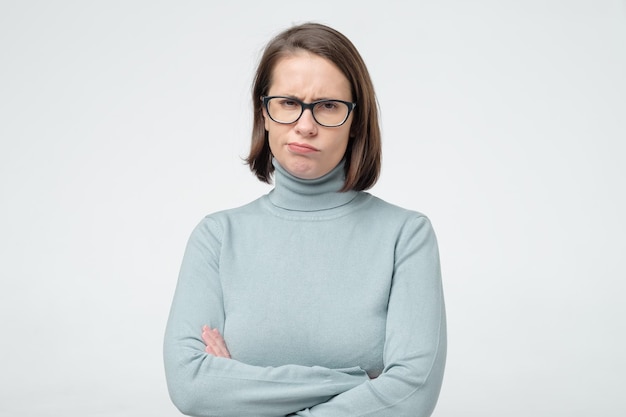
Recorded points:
(330, 303)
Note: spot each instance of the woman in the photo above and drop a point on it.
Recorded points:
(317, 299)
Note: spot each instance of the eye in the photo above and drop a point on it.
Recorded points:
(328, 107)
(288, 103)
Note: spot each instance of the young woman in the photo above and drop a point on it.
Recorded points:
(317, 299)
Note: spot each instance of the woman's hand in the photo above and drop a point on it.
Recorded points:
(215, 344)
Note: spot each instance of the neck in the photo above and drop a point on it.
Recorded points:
(293, 193)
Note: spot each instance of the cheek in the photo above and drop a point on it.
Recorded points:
(274, 139)
(265, 120)
(271, 144)
(344, 142)
(344, 148)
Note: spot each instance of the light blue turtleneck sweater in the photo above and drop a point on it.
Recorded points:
(316, 292)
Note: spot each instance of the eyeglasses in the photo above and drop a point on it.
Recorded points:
(287, 110)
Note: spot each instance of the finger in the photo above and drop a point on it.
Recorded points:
(215, 343)
(206, 336)
(211, 348)
(218, 344)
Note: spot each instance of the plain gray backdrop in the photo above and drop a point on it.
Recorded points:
(123, 123)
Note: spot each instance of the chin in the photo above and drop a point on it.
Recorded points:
(303, 171)
(303, 174)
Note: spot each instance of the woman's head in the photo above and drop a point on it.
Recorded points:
(291, 66)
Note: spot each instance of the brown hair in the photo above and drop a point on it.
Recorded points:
(363, 155)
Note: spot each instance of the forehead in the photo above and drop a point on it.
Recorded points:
(308, 76)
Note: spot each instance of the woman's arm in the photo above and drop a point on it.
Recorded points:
(201, 384)
(415, 345)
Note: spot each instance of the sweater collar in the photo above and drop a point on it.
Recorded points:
(293, 193)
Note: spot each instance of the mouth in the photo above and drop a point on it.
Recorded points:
(296, 147)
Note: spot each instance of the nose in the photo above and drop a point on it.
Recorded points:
(306, 125)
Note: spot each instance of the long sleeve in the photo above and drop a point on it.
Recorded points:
(415, 345)
(203, 385)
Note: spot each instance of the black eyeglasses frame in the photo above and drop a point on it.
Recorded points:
(310, 106)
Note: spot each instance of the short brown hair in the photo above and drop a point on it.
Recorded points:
(363, 155)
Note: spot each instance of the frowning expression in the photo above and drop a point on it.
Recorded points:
(305, 148)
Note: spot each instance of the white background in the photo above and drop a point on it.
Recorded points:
(122, 123)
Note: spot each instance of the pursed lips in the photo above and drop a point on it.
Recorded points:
(301, 147)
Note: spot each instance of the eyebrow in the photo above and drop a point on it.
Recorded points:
(314, 100)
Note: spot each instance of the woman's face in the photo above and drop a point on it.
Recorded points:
(304, 148)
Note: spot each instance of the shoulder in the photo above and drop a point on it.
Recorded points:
(217, 222)
(233, 213)
(379, 207)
